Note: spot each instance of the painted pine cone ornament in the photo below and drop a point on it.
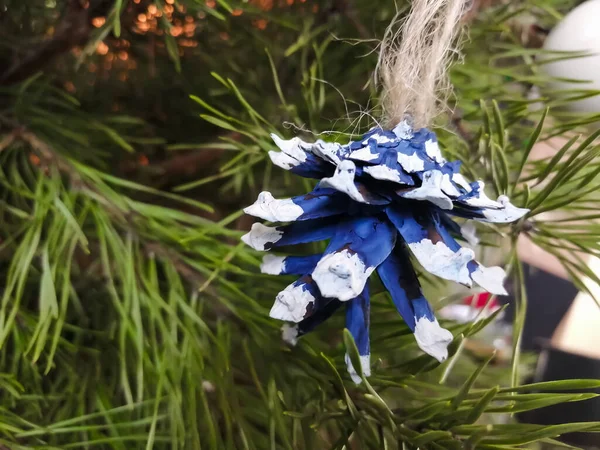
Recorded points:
(378, 198)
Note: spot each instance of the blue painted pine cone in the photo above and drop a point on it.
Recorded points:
(378, 198)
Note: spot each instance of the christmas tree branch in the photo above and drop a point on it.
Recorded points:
(129, 320)
(49, 158)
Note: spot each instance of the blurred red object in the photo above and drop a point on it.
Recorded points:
(479, 301)
(471, 308)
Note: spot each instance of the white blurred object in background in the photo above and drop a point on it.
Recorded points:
(579, 331)
(579, 31)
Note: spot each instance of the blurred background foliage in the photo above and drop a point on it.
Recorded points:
(131, 134)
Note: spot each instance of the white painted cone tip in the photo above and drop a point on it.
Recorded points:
(260, 235)
(343, 181)
(246, 239)
(432, 149)
(491, 279)
(462, 182)
(438, 259)
(411, 163)
(280, 311)
(447, 186)
(432, 338)
(272, 264)
(513, 213)
(430, 191)
(437, 197)
(379, 138)
(269, 208)
(382, 172)
(289, 333)
(365, 362)
(291, 147)
(283, 144)
(507, 214)
(482, 200)
(403, 130)
(282, 160)
(327, 151)
(363, 154)
(291, 304)
(341, 275)
(256, 208)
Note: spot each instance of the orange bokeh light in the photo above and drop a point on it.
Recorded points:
(261, 24)
(70, 87)
(34, 159)
(98, 21)
(102, 48)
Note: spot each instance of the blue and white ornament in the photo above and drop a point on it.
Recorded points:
(378, 198)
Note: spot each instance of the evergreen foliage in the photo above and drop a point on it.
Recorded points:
(131, 317)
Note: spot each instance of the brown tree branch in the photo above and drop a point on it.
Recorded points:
(346, 8)
(74, 29)
(461, 129)
(6, 141)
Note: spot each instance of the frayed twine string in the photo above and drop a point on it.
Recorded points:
(414, 60)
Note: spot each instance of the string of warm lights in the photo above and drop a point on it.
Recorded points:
(157, 19)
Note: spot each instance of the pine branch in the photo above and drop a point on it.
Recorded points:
(192, 276)
(50, 158)
(130, 350)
